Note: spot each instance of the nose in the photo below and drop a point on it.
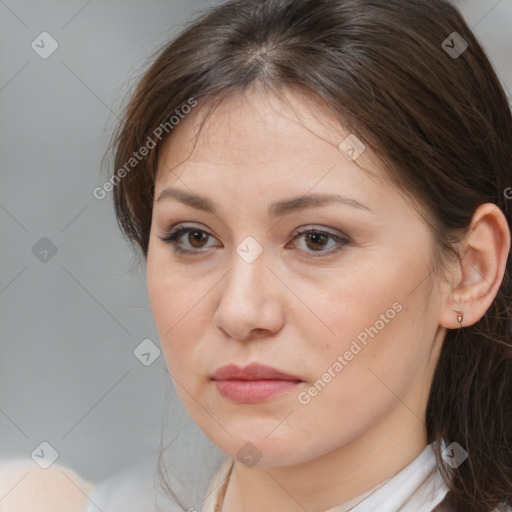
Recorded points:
(251, 302)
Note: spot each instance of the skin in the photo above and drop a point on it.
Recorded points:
(297, 309)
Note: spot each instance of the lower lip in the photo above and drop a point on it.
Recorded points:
(253, 391)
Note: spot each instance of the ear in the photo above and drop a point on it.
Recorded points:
(478, 276)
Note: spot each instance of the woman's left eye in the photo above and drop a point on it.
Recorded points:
(314, 240)
(317, 240)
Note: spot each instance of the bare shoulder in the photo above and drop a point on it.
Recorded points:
(25, 486)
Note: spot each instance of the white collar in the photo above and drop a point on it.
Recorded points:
(418, 487)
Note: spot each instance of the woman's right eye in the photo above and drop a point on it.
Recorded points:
(195, 237)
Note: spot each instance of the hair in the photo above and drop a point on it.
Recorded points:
(441, 124)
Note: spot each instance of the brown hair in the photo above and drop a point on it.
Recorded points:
(440, 122)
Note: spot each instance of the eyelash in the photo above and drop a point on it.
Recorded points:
(173, 235)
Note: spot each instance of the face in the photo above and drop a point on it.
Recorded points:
(334, 293)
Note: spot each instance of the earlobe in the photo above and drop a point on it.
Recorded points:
(481, 268)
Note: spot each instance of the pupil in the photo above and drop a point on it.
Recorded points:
(317, 238)
(196, 237)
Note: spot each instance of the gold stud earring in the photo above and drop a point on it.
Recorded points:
(460, 316)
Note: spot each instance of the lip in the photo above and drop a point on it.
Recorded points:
(253, 383)
(254, 371)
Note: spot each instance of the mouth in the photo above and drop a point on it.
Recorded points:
(253, 383)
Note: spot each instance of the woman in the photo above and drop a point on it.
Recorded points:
(321, 192)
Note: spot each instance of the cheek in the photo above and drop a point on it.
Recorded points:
(175, 306)
(362, 374)
(371, 324)
(345, 306)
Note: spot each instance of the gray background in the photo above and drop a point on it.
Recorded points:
(69, 325)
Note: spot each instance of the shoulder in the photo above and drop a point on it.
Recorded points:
(26, 486)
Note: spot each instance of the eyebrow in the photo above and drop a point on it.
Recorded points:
(276, 209)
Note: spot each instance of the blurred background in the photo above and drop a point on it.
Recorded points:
(80, 369)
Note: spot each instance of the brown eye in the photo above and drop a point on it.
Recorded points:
(316, 241)
(194, 240)
(323, 243)
(197, 237)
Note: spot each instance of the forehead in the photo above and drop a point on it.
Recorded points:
(261, 135)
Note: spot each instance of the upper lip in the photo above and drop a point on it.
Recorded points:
(254, 371)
